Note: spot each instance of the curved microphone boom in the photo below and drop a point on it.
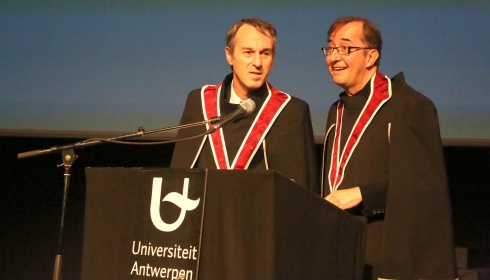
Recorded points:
(244, 109)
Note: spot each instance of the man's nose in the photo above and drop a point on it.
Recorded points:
(257, 60)
(334, 56)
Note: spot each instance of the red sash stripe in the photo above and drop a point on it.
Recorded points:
(272, 107)
(336, 147)
(210, 109)
(380, 93)
(276, 101)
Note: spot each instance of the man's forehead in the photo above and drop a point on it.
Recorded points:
(258, 39)
(342, 39)
(347, 33)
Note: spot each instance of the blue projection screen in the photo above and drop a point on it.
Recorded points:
(114, 66)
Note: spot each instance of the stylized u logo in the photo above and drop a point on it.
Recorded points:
(180, 200)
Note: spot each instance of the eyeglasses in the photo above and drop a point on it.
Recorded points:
(342, 50)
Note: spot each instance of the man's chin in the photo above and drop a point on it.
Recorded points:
(255, 84)
(338, 81)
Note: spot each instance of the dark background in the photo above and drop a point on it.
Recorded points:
(31, 192)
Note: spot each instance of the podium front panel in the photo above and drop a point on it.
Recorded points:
(139, 223)
(247, 225)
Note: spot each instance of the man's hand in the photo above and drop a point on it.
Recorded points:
(346, 198)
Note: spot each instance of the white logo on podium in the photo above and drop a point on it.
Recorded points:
(180, 200)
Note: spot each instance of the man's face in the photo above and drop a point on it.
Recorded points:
(351, 71)
(252, 59)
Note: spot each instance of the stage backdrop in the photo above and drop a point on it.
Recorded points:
(112, 66)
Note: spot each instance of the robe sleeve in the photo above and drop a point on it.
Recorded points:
(185, 151)
(373, 198)
(417, 240)
(291, 147)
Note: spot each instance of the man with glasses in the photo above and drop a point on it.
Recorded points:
(277, 135)
(383, 160)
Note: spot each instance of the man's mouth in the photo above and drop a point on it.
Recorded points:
(256, 75)
(336, 69)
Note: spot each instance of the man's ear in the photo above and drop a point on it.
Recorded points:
(229, 56)
(372, 57)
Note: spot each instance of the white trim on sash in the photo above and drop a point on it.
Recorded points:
(199, 151)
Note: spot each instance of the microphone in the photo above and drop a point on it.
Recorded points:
(244, 109)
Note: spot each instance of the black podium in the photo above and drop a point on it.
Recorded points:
(212, 224)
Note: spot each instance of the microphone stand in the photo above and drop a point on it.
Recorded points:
(69, 156)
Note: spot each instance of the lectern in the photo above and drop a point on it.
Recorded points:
(145, 223)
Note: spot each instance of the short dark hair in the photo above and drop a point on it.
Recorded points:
(372, 34)
(263, 26)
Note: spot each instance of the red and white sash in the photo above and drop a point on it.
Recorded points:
(273, 105)
(380, 93)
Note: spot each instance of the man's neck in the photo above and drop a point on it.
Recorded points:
(367, 77)
(234, 97)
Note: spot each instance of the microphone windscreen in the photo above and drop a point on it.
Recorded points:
(248, 105)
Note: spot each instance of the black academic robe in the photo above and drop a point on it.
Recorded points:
(399, 166)
(289, 144)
